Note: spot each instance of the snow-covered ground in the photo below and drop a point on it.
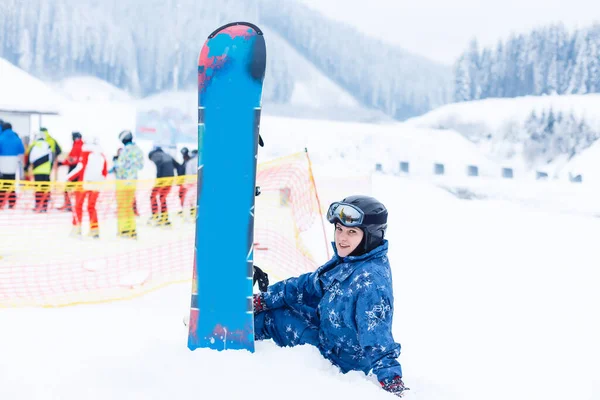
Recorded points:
(496, 297)
(493, 301)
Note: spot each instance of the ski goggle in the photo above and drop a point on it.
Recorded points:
(347, 214)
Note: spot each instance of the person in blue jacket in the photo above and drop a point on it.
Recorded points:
(11, 162)
(345, 307)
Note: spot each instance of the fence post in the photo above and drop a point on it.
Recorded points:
(473, 170)
(541, 175)
(404, 167)
(507, 173)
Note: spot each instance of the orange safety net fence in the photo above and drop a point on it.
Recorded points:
(139, 235)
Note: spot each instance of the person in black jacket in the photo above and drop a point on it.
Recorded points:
(165, 169)
(183, 187)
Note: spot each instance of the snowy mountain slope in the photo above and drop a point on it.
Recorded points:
(477, 119)
(529, 132)
(310, 86)
(90, 88)
(311, 93)
(83, 37)
(385, 77)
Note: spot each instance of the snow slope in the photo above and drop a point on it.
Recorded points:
(492, 301)
(489, 116)
(494, 123)
(23, 92)
(90, 88)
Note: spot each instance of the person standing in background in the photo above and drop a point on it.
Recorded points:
(71, 162)
(127, 166)
(39, 157)
(11, 161)
(91, 169)
(165, 171)
(181, 168)
(56, 151)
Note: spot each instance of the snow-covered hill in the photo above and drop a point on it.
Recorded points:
(91, 88)
(19, 91)
(545, 132)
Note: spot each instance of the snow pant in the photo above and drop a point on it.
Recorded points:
(92, 198)
(67, 195)
(182, 191)
(125, 202)
(160, 209)
(42, 192)
(285, 327)
(7, 190)
(288, 329)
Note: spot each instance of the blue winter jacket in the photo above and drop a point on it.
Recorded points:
(11, 146)
(350, 301)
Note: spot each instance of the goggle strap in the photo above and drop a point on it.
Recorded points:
(375, 219)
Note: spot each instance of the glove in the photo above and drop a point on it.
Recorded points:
(262, 278)
(394, 385)
(258, 301)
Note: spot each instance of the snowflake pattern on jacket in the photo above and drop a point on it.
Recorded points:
(345, 308)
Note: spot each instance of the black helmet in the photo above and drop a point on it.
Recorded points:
(126, 137)
(185, 151)
(373, 221)
(76, 135)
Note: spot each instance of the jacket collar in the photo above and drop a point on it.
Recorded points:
(340, 269)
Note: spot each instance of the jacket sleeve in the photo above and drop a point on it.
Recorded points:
(291, 291)
(180, 168)
(74, 154)
(374, 310)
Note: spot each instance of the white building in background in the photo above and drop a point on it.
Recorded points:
(25, 100)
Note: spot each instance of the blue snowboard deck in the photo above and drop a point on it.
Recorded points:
(231, 70)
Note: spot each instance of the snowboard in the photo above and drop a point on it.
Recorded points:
(231, 70)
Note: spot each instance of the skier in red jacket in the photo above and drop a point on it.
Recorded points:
(71, 162)
(91, 170)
